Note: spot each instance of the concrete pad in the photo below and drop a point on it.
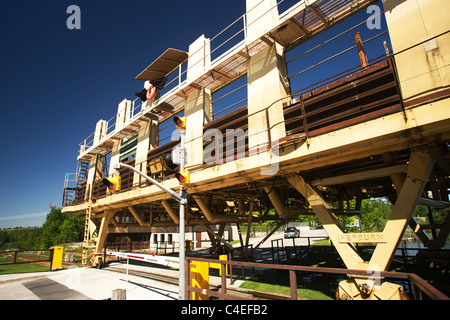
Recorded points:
(47, 289)
(82, 284)
(99, 284)
(16, 291)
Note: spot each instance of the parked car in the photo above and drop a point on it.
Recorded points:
(291, 232)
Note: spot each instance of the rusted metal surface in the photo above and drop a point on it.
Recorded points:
(435, 96)
(76, 195)
(365, 95)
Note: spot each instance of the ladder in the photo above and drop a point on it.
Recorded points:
(87, 236)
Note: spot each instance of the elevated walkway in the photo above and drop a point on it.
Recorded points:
(380, 130)
(298, 24)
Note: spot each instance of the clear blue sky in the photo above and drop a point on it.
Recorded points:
(57, 83)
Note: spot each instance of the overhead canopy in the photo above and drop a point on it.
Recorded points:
(164, 65)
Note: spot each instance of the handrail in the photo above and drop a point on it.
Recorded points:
(417, 281)
(88, 143)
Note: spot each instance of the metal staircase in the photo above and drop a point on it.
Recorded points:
(71, 193)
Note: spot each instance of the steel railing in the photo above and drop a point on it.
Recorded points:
(419, 285)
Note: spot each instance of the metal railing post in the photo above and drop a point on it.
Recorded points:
(293, 284)
(52, 250)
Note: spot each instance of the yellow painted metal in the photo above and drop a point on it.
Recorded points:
(57, 257)
(97, 259)
(183, 177)
(199, 278)
(419, 169)
(113, 183)
(329, 221)
(374, 237)
(348, 290)
(223, 257)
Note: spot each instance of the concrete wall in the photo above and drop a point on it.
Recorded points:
(424, 68)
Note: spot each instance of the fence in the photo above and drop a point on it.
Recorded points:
(29, 258)
(419, 286)
(159, 247)
(281, 252)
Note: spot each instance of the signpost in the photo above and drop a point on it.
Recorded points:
(183, 177)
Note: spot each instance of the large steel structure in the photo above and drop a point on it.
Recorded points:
(382, 130)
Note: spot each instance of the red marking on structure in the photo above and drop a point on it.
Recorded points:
(130, 256)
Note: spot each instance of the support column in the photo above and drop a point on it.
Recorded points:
(115, 156)
(266, 90)
(261, 15)
(146, 141)
(199, 58)
(249, 226)
(170, 211)
(123, 114)
(94, 173)
(276, 202)
(103, 232)
(138, 217)
(267, 77)
(398, 179)
(241, 212)
(100, 131)
(409, 23)
(198, 112)
(204, 207)
(420, 166)
(329, 221)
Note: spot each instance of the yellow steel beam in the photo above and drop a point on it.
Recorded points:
(329, 221)
(420, 166)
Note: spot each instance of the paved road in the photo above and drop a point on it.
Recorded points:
(95, 284)
(315, 234)
(82, 284)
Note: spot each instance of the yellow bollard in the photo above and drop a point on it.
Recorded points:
(57, 258)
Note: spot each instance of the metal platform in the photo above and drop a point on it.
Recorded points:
(350, 138)
(297, 25)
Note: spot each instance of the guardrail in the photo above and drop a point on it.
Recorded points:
(28, 259)
(419, 285)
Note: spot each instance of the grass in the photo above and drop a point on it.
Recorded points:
(279, 283)
(20, 268)
(321, 287)
(310, 287)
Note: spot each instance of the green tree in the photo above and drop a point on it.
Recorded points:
(60, 228)
(71, 229)
(22, 239)
(374, 214)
